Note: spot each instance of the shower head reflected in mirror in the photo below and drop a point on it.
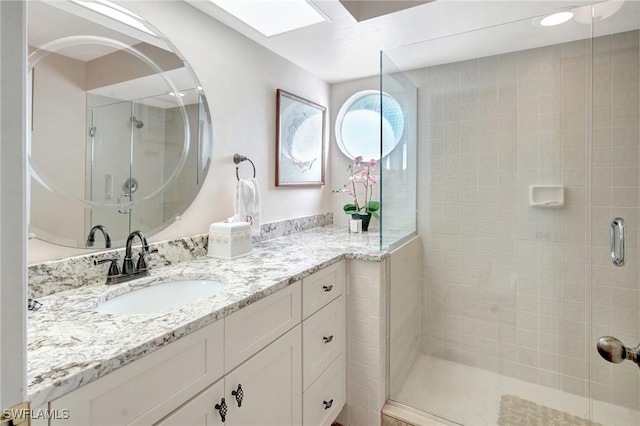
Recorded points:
(138, 123)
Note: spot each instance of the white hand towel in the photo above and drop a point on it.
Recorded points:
(246, 204)
(255, 211)
(240, 197)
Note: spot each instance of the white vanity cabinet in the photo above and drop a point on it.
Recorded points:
(263, 368)
(269, 366)
(263, 357)
(324, 345)
(265, 390)
(200, 410)
(269, 384)
(145, 391)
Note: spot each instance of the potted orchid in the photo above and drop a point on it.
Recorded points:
(360, 187)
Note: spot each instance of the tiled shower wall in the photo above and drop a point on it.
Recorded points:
(508, 287)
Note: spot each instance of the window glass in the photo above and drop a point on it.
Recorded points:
(358, 125)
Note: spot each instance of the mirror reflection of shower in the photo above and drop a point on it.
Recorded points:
(138, 123)
(135, 148)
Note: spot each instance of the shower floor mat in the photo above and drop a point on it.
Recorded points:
(518, 411)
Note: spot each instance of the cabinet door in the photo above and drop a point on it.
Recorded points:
(199, 411)
(270, 385)
(150, 388)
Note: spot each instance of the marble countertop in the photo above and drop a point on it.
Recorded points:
(70, 345)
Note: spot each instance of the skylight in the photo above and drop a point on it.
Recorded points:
(273, 17)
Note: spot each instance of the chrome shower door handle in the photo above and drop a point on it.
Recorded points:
(617, 242)
(124, 208)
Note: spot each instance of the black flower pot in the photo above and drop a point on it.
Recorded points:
(365, 218)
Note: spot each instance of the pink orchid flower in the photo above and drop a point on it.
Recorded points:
(357, 161)
(372, 163)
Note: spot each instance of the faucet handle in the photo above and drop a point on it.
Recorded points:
(142, 261)
(114, 269)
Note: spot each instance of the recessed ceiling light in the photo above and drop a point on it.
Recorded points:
(556, 19)
(272, 17)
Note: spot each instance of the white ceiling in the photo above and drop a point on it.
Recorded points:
(50, 20)
(426, 34)
(345, 49)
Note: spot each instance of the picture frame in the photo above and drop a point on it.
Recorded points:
(300, 141)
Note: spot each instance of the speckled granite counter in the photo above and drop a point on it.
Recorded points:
(69, 344)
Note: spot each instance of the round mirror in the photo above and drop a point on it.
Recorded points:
(120, 136)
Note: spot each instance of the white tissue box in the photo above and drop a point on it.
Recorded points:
(228, 240)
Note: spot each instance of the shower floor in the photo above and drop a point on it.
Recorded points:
(471, 396)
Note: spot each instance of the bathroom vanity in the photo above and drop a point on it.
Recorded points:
(269, 348)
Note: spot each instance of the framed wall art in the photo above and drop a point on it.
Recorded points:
(300, 141)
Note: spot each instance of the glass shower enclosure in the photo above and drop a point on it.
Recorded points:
(399, 161)
(528, 159)
(126, 142)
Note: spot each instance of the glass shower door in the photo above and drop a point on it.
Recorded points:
(615, 387)
(504, 313)
(109, 167)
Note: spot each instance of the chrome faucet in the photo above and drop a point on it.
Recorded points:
(91, 239)
(129, 271)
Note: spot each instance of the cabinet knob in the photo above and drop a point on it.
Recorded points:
(327, 339)
(328, 404)
(239, 394)
(222, 408)
(327, 288)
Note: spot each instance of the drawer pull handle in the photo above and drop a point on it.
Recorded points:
(222, 408)
(328, 404)
(239, 394)
(327, 339)
(327, 288)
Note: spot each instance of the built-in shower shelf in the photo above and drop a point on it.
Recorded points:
(549, 196)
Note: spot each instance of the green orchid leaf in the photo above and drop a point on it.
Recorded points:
(376, 215)
(350, 208)
(373, 206)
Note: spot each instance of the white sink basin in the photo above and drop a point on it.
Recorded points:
(160, 297)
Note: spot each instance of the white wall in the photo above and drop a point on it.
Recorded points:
(340, 92)
(240, 79)
(12, 205)
(57, 145)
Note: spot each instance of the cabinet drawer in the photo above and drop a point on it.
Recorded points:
(255, 326)
(322, 287)
(324, 400)
(148, 389)
(200, 410)
(324, 339)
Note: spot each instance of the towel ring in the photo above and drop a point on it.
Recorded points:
(237, 158)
